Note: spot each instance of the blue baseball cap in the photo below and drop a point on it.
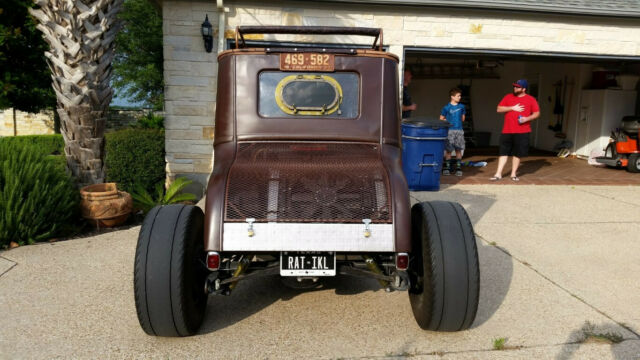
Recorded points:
(522, 83)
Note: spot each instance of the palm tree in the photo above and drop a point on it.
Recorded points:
(81, 38)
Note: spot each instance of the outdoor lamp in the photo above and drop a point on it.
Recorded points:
(207, 34)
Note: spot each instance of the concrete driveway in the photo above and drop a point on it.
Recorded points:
(552, 259)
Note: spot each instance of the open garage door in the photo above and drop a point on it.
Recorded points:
(582, 97)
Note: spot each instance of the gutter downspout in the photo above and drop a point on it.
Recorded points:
(221, 23)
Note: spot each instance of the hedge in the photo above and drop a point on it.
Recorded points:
(135, 156)
(38, 200)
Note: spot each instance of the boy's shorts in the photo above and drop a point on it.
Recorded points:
(514, 145)
(455, 140)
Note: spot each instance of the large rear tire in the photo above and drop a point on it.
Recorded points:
(444, 268)
(169, 272)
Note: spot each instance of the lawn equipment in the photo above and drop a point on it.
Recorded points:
(623, 150)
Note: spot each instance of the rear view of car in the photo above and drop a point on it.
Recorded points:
(307, 183)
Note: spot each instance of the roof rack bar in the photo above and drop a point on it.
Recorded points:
(312, 30)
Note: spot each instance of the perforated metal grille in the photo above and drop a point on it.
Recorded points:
(308, 182)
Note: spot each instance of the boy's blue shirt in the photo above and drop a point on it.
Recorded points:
(454, 113)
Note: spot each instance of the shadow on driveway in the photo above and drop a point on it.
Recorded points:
(253, 295)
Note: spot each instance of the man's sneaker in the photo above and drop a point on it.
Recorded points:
(446, 172)
(458, 172)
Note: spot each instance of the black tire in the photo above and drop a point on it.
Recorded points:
(634, 163)
(610, 151)
(444, 268)
(169, 272)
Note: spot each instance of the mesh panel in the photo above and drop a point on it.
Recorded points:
(308, 182)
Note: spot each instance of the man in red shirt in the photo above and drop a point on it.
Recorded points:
(520, 109)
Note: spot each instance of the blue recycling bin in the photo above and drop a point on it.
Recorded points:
(423, 142)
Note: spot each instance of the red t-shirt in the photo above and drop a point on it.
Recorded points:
(511, 125)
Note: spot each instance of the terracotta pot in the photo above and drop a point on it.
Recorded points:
(104, 205)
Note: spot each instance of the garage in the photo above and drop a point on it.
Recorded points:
(500, 41)
(582, 98)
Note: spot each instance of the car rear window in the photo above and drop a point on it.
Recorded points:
(309, 94)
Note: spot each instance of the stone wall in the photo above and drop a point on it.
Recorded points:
(119, 119)
(190, 72)
(42, 122)
(190, 75)
(26, 123)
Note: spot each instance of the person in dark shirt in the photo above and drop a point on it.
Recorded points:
(407, 105)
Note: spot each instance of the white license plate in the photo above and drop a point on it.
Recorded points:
(307, 264)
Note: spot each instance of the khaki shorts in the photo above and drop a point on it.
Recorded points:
(455, 140)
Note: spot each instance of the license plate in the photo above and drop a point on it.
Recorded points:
(307, 264)
(307, 62)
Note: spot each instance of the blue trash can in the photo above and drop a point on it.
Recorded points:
(423, 143)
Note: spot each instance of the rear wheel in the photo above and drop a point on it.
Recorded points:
(169, 273)
(444, 268)
(634, 163)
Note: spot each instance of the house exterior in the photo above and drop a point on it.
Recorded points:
(550, 43)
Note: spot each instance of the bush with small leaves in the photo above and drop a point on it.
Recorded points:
(135, 156)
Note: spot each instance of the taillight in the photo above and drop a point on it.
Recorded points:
(402, 261)
(213, 260)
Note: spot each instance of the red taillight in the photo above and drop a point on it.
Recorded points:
(213, 260)
(402, 261)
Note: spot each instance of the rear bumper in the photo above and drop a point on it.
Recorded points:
(308, 237)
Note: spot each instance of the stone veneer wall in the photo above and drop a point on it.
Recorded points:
(26, 123)
(190, 76)
(118, 119)
(190, 72)
(42, 122)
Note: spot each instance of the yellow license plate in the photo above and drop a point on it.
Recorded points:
(307, 62)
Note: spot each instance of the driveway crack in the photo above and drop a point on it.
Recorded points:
(575, 296)
(470, 351)
(608, 197)
(11, 267)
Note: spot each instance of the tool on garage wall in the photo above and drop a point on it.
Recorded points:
(558, 108)
(568, 88)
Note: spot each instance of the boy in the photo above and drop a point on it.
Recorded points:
(454, 113)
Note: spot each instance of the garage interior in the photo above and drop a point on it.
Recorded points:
(582, 99)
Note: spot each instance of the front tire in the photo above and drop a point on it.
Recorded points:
(169, 273)
(444, 267)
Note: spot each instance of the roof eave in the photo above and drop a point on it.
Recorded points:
(476, 5)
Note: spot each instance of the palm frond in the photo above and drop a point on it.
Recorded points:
(142, 199)
(177, 186)
(182, 197)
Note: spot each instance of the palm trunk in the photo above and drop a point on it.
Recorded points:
(81, 37)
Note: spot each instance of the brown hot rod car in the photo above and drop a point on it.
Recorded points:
(307, 183)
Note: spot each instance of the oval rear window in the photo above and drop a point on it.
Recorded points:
(308, 94)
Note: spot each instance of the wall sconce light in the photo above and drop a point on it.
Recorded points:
(207, 34)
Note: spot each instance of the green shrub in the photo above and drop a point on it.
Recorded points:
(135, 156)
(38, 200)
(150, 121)
(45, 144)
(50, 145)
